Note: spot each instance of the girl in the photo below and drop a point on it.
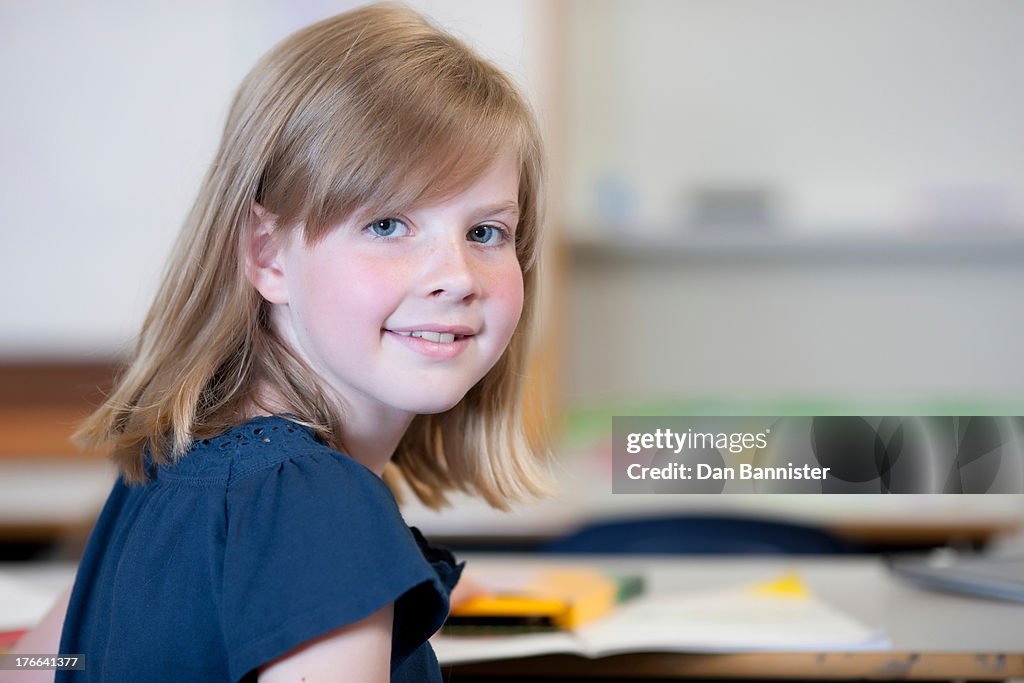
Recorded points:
(348, 304)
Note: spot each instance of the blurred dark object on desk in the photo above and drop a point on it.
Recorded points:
(697, 535)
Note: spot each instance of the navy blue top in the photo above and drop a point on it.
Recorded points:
(256, 541)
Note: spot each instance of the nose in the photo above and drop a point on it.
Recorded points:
(451, 272)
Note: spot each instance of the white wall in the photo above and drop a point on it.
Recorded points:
(110, 112)
(865, 115)
(895, 122)
(921, 334)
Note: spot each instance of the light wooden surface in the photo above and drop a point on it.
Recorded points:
(45, 500)
(933, 635)
(757, 666)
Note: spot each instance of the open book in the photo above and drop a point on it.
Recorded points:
(780, 615)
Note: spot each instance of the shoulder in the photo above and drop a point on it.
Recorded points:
(264, 443)
(314, 541)
(263, 447)
(275, 459)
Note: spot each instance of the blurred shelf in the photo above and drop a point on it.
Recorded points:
(43, 402)
(990, 249)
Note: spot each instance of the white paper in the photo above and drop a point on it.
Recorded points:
(22, 605)
(732, 620)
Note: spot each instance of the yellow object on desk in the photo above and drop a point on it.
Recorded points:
(552, 598)
(788, 586)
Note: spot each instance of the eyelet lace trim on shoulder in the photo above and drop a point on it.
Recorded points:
(260, 431)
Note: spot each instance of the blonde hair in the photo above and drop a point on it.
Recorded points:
(373, 111)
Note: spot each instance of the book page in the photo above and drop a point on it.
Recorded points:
(731, 620)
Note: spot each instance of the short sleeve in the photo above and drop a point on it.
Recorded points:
(441, 559)
(316, 542)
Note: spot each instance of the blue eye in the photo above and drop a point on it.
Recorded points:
(488, 234)
(387, 227)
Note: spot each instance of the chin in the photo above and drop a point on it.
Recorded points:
(431, 405)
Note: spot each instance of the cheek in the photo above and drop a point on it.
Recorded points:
(506, 294)
(353, 293)
(365, 288)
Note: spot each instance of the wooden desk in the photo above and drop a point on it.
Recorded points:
(933, 635)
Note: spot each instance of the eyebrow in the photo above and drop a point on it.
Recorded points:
(500, 209)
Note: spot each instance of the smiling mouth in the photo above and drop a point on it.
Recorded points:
(437, 337)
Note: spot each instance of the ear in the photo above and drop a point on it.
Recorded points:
(264, 255)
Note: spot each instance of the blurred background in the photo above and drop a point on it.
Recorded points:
(773, 207)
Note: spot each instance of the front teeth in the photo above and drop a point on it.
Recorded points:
(440, 337)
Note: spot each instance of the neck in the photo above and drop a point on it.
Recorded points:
(369, 433)
(372, 439)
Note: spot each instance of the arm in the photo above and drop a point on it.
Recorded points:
(361, 650)
(43, 639)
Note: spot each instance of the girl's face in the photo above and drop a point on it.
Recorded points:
(409, 312)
